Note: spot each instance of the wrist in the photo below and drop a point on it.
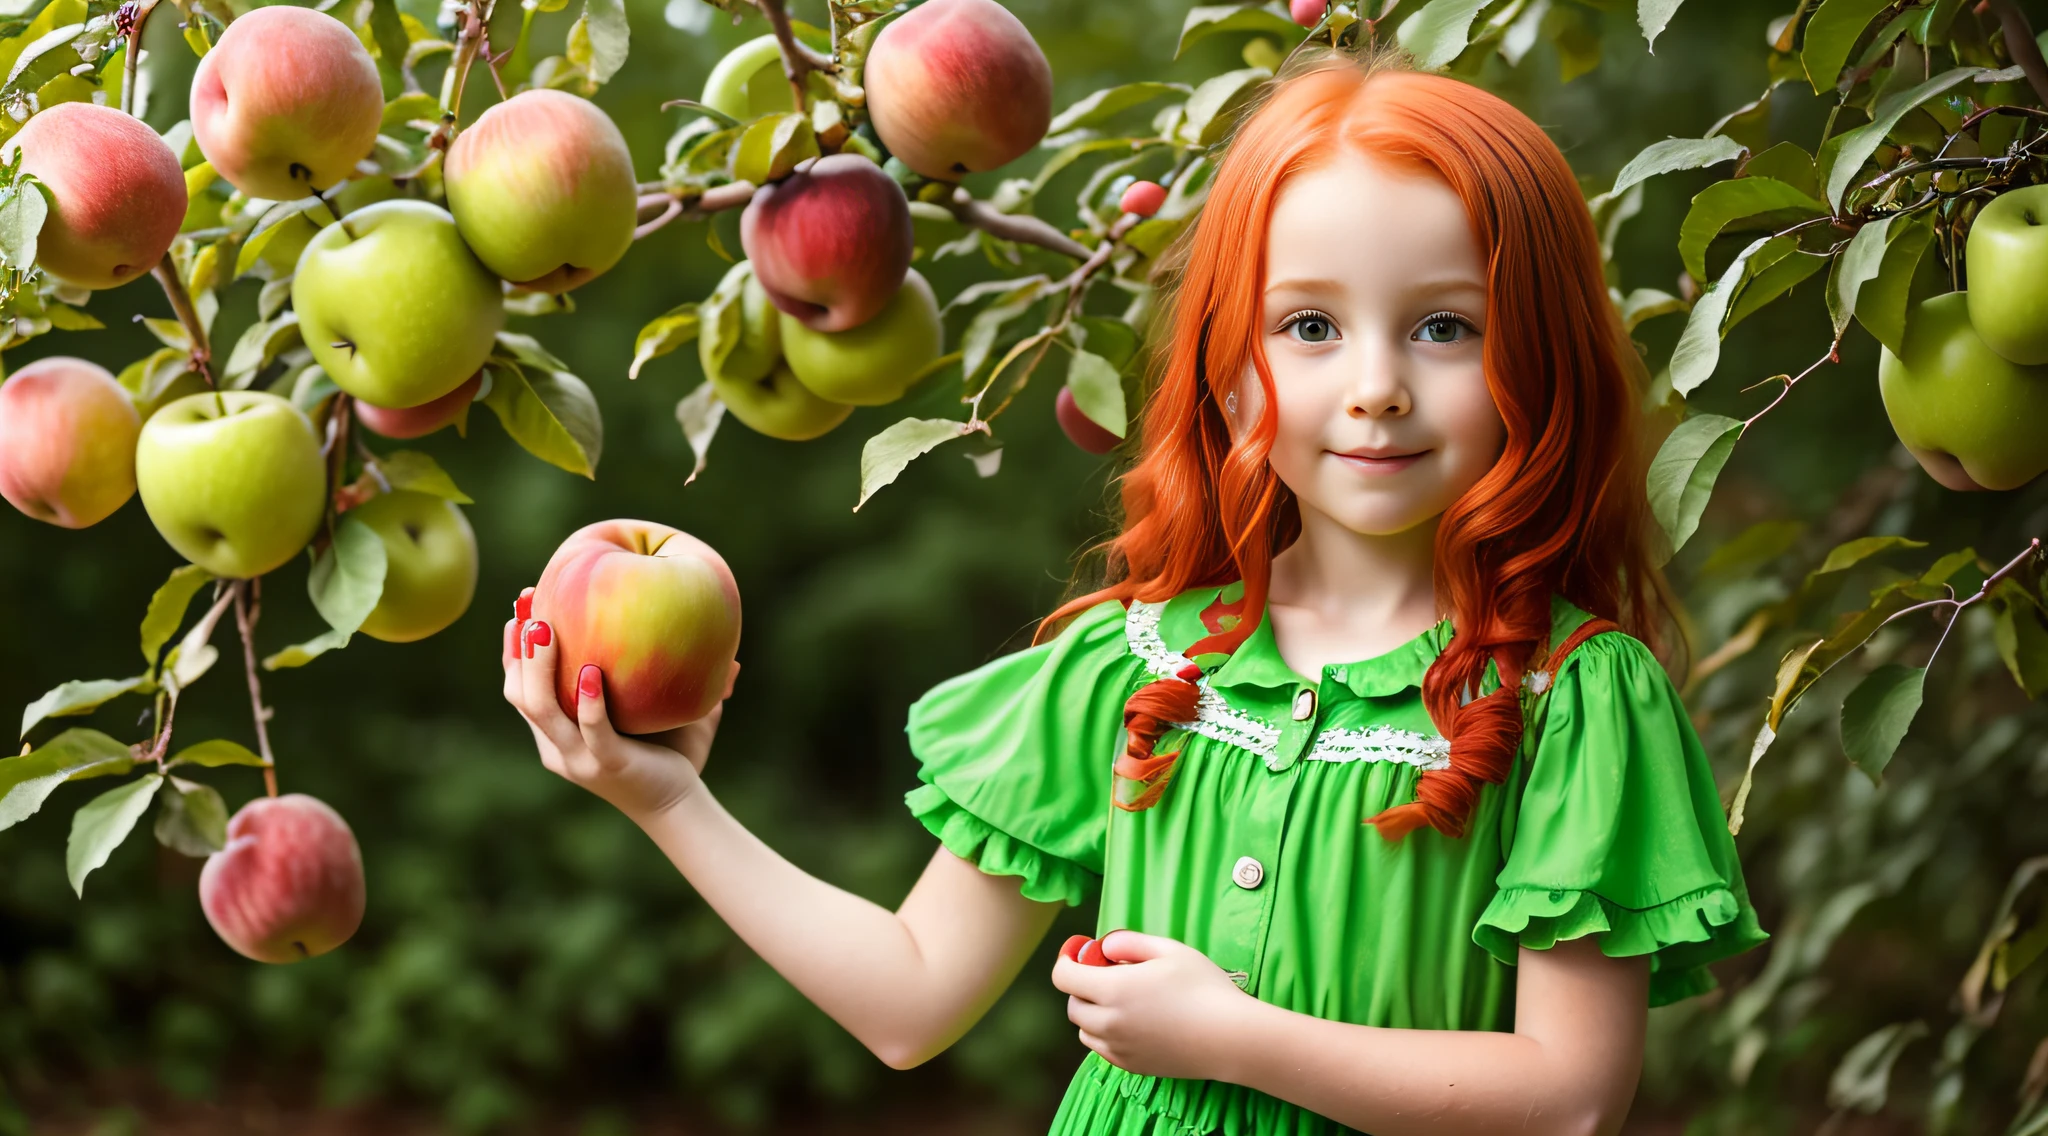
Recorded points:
(1239, 1039)
(693, 795)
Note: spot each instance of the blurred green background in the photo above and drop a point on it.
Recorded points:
(531, 962)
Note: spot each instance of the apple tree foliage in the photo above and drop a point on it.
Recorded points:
(1934, 107)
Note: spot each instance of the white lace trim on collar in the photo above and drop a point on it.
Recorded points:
(1217, 720)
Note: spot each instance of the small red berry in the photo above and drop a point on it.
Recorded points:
(1307, 13)
(1143, 198)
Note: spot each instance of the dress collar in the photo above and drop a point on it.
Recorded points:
(1258, 661)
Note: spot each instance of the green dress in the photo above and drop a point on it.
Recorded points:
(1256, 854)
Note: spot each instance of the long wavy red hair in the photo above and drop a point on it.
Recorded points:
(1564, 508)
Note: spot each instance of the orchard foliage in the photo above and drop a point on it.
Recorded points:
(1882, 185)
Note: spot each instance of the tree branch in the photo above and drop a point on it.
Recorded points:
(134, 14)
(1020, 227)
(2021, 45)
(658, 209)
(798, 59)
(248, 606)
(166, 273)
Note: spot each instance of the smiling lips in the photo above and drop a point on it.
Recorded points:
(1384, 459)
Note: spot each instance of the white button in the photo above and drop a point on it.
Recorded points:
(1304, 705)
(1248, 874)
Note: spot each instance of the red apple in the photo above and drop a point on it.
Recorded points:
(67, 442)
(1143, 198)
(1081, 430)
(422, 420)
(117, 193)
(956, 87)
(655, 609)
(289, 884)
(286, 103)
(830, 243)
(1307, 13)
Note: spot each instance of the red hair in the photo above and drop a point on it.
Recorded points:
(1563, 509)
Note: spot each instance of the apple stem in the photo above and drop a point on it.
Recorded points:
(248, 607)
(141, 13)
(166, 273)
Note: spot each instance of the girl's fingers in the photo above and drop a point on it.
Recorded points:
(591, 719)
(537, 682)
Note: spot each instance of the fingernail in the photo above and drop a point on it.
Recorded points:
(538, 634)
(589, 682)
(1071, 949)
(522, 608)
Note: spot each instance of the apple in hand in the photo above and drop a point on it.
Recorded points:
(1972, 417)
(394, 305)
(780, 406)
(830, 242)
(759, 346)
(289, 884)
(117, 194)
(2007, 262)
(286, 103)
(67, 442)
(1080, 429)
(233, 480)
(542, 188)
(451, 409)
(956, 87)
(655, 609)
(430, 564)
(875, 362)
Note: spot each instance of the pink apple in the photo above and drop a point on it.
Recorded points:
(956, 87)
(655, 609)
(286, 103)
(67, 442)
(830, 243)
(422, 420)
(289, 884)
(117, 194)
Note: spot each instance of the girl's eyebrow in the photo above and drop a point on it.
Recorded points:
(1427, 284)
(1306, 284)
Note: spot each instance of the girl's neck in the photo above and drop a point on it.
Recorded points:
(1339, 596)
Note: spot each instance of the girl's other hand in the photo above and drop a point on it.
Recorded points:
(641, 776)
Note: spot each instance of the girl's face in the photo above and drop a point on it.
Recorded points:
(1373, 318)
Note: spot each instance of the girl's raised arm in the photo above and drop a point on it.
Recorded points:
(906, 983)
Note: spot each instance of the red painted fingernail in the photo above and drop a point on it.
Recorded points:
(589, 682)
(522, 608)
(1071, 949)
(538, 634)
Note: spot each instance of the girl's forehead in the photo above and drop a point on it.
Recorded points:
(1353, 217)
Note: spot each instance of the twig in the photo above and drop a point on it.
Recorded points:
(1834, 355)
(1020, 227)
(166, 273)
(657, 209)
(1983, 591)
(2020, 44)
(469, 37)
(133, 13)
(798, 59)
(248, 607)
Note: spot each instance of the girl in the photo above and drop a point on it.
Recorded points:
(1395, 830)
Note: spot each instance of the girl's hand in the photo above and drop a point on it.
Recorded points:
(1168, 1012)
(641, 777)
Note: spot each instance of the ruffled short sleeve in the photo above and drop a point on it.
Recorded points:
(1015, 757)
(1619, 830)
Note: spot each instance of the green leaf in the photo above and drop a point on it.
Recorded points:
(551, 413)
(1112, 339)
(1940, 571)
(772, 147)
(721, 317)
(1829, 37)
(410, 469)
(312, 387)
(1876, 714)
(1438, 31)
(604, 22)
(1213, 108)
(1864, 1076)
(699, 414)
(1645, 304)
(64, 317)
(1105, 104)
(663, 334)
(216, 752)
(1726, 202)
(388, 32)
(345, 584)
(79, 697)
(1859, 144)
(101, 824)
(21, 222)
(1699, 345)
(192, 819)
(262, 342)
(890, 452)
(1211, 19)
(2020, 632)
(1098, 391)
(1856, 265)
(1653, 16)
(1753, 547)
(1768, 283)
(1850, 553)
(1681, 477)
(1675, 154)
(980, 337)
(274, 251)
(74, 755)
(169, 332)
(1883, 300)
(529, 352)
(411, 107)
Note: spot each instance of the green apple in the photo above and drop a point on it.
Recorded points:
(430, 564)
(1972, 417)
(780, 406)
(233, 480)
(2007, 264)
(749, 82)
(758, 347)
(394, 306)
(875, 362)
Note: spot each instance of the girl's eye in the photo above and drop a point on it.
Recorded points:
(1312, 327)
(1443, 328)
